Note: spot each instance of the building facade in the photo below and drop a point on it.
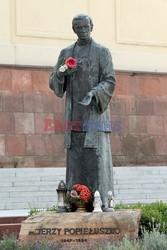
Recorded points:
(32, 34)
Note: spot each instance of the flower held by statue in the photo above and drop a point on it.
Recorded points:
(69, 63)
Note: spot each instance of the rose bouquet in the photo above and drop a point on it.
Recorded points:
(69, 63)
(78, 193)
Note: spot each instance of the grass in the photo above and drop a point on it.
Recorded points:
(150, 241)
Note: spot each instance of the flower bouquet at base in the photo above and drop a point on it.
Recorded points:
(79, 198)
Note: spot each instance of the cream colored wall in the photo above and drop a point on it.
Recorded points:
(34, 31)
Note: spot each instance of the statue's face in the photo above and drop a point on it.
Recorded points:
(82, 28)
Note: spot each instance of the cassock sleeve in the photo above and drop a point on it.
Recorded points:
(104, 90)
(101, 94)
(56, 83)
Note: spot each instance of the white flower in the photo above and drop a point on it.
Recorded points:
(74, 194)
(63, 68)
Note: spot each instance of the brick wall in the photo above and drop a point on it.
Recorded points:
(139, 102)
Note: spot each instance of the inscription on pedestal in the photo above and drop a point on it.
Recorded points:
(76, 229)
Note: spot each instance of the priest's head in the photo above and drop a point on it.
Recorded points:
(82, 26)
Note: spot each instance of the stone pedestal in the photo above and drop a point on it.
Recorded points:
(80, 230)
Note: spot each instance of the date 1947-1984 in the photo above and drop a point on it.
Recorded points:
(74, 240)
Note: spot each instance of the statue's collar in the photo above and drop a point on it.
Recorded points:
(82, 43)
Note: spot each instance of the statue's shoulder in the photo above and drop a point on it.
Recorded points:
(68, 49)
(101, 48)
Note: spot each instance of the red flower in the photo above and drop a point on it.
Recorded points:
(77, 187)
(83, 191)
(85, 195)
(71, 62)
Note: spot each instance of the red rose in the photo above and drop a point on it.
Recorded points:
(71, 62)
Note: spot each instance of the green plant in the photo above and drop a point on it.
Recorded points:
(8, 242)
(34, 211)
(154, 215)
(151, 241)
(125, 244)
(54, 209)
(45, 245)
(154, 240)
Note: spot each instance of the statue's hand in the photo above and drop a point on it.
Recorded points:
(66, 72)
(87, 99)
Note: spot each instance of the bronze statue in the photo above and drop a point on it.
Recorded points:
(89, 86)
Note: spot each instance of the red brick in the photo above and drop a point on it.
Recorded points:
(48, 102)
(21, 80)
(24, 123)
(58, 104)
(129, 145)
(10, 229)
(135, 87)
(137, 125)
(55, 144)
(154, 125)
(150, 160)
(116, 143)
(40, 80)
(2, 145)
(117, 106)
(7, 123)
(15, 145)
(161, 160)
(129, 103)
(44, 161)
(33, 102)
(13, 101)
(35, 145)
(136, 160)
(122, 82)
(40, 123)
(6, 162)
(120, 88)
(12, 219)
(160, 105)
(161, 145)
(128, 84)
(60, 161)
(124, 124)
(5, 79)
(1, 101)
(163, 85)
(165, 124)
(52, 103)
(140, 160)
(59, 117)
(119, 160)
(146, 146)
(144, 105)
(24, 161)
(150, 85)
